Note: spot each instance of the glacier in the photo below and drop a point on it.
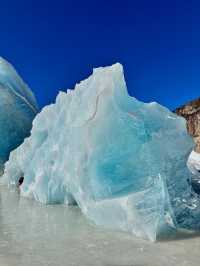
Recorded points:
(122, 161)
(18, 107)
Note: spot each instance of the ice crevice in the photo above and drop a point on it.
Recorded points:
(23, 99)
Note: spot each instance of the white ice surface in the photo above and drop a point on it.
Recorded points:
(32, 234)
(194, 163)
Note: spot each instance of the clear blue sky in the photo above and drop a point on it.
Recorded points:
(54, 44)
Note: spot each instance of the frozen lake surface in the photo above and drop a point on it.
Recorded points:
(35, 234)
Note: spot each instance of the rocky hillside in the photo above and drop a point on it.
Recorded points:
(191, 112)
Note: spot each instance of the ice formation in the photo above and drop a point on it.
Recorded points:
(193, 164)
(18, 107)
(121, 160)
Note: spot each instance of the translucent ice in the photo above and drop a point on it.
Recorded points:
(17, 110)
(122, 161)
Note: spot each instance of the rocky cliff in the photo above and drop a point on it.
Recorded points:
(191, 112)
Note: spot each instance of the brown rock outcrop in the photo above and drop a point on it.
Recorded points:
(191, 112)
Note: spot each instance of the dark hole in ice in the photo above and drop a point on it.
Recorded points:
(196, 186)
(71, 200)
(21, 180)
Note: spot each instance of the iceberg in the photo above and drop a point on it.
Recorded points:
(122, 161)
(18, 108)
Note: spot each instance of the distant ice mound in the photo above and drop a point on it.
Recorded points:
(122, 161)
(18, 107)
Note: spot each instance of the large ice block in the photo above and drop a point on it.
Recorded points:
(18, 107)
(121, 160)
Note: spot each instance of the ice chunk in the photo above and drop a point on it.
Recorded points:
(193, 164)
(18, 107)
(122, 161)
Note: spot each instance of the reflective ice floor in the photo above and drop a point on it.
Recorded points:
(34, 234)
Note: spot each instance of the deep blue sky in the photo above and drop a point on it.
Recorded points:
(54, 44)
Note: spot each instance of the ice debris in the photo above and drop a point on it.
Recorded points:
(121, 160)
(18, 107)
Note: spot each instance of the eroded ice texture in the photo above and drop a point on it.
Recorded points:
(18, 107)
(122, 161)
